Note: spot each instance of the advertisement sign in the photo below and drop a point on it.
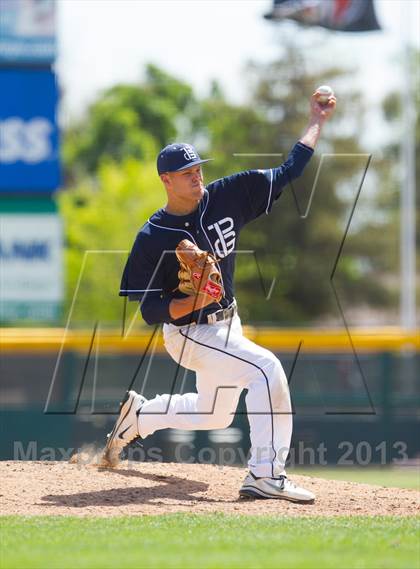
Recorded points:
(29, 141)
(27, 31)
(31, 266)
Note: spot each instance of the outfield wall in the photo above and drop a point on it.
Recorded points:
(356, 397)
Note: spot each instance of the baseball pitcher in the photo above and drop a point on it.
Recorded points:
(181, 269)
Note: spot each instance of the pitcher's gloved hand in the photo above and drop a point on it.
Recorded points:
(198, 272)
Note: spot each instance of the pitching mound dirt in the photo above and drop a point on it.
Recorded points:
(60, 488)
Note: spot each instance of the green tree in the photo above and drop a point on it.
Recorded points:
(299, 253)
(129, 121)
(104, 218)
(114, 197)
(392, 110)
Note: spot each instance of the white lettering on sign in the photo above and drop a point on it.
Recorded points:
(225, 243)
(28, 141)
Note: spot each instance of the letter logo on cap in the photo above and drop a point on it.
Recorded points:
(189, 153)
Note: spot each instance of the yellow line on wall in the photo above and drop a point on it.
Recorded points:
(276, 339)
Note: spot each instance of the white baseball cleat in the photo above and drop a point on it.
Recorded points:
(280, 488)
(125, 429)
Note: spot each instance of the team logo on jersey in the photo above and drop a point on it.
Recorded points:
(189, 153)
(225, 243)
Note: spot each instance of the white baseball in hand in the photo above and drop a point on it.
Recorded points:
(324, 92)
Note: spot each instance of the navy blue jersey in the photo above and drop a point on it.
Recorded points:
(151, 271)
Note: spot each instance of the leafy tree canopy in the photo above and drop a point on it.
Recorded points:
(111, 160)
(128, 121)
(101, 221)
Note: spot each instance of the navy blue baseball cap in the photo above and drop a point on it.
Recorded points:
(178, 156)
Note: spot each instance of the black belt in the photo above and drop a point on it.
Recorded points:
(220, 315)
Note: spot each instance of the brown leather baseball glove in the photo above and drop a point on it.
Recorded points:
(198, 273)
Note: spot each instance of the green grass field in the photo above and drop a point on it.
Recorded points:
(385, 476)
(186, 540)
(191, 541)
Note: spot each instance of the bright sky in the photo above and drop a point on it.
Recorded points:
(103, 42)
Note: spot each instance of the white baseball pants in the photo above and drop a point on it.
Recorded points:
(225, 363)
